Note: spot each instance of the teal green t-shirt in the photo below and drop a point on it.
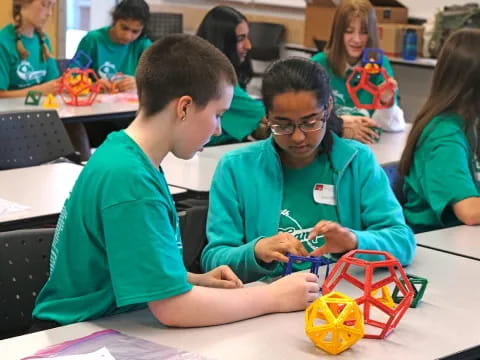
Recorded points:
(343, 102)
(16, 73)
(117, 244)
(110, 58)
(306, 202)
(241, 119)
(444, 171)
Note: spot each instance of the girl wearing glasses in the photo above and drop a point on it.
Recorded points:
(303, 191)
(354, 29)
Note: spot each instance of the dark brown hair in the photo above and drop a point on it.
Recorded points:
(346, 11)
(455, 88)
(17, 23)
(180, 65)
(297, 74)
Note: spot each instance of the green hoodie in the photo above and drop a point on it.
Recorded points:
(246, 200)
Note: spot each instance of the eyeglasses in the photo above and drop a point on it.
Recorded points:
(288, 128)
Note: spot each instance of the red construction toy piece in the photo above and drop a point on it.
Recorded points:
(380, 318)
(360, 80)
(79, 87)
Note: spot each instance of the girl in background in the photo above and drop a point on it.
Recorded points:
(354, 29)
(440, 162)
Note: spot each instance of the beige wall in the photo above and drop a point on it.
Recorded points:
(293, 19)
(51, 30)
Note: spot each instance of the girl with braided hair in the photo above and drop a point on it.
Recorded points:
(25, 50)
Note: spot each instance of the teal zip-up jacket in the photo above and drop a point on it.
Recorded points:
(246, 199)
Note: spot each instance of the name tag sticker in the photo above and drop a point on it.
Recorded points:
(324, 194)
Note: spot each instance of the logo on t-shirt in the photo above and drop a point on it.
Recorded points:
(107, 70)
(296, 229)
(27, 73)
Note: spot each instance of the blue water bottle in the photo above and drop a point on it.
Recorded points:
(409, 51)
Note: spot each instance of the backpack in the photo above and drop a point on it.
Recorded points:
(449, 20)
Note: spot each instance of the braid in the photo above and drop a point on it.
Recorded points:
(17, 23)
(46, 54)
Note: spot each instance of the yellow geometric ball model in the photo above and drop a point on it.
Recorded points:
(334, 322)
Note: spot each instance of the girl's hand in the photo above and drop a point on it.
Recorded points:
(337, 238)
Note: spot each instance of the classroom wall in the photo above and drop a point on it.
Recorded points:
(293, 18)
(52, 26)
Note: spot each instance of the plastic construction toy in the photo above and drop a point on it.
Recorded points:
(81, 60)
(79, 87)
(385, 298)
(316, 262)
(114, 80)
(361, 79)
(334, 322)
(380, 318)
(419, 285)
(50, 102)
(33, 97)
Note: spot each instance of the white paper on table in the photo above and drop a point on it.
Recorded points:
(7, 207)
(100, 354)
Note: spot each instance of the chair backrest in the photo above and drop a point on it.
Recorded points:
(267, 40)
(24, 269)
(161, 24)
(193, 221)
(32, 138)
(395, 179)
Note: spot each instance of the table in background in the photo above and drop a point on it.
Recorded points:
(43, 189)
(105, 107)
(458, 240)
(443, 323)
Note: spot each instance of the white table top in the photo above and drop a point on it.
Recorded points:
(440, 325)
(196, 174)
(390, 146)
(43, 189)
(103, 105)
(461, 240)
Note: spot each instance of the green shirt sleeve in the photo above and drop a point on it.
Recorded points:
(243, 116)
(142, 252)
(383, 222)
(227, 243)
(447, 177)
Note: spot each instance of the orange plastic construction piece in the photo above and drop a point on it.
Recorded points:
(357, 275)
(79, 87)
(334, 322)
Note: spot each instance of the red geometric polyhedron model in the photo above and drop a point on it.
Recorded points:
(380, 319)
(359, 80)
(79, 87)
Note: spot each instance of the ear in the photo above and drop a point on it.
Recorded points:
(330, 104)
(183, 104)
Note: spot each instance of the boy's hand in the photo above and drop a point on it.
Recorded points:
(220, 277)
(49, 87)
(294, 292)
(359, 128)
(105, 85)
(337, 238)
(277, 247)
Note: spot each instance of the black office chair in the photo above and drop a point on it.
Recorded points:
(33, 138)
(267, 40)
(193, 219)
(24, 269)
(395, 179)
(161, 24)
